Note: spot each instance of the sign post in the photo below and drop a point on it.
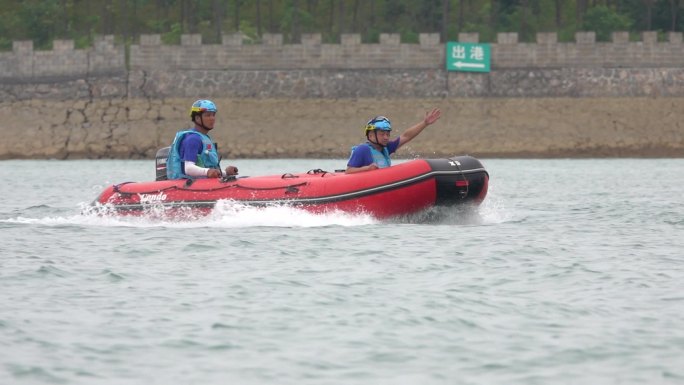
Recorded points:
(471, 57)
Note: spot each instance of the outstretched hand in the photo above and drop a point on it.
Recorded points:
(432, 116)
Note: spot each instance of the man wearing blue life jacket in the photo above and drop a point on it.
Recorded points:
(375, 153)
(193, 153)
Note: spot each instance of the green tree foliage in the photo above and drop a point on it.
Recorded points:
(37, 21)
(45, 20)
(603, 21)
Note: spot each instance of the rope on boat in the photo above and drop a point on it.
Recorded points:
(291, 188)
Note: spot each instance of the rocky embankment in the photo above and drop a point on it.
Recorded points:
(302, 128)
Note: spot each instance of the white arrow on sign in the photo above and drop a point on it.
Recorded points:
(469, 65)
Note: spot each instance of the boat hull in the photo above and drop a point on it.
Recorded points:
(398, 190)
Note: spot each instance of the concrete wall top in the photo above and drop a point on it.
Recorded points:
(236, 52)
(63, 60)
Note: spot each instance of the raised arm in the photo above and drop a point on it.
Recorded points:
(413, 131)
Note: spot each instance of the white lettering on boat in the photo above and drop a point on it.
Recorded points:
(152, 198)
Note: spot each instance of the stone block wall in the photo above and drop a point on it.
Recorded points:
(272, 54)
(391, 53)
(585, 52)
(24, 64)
(351, 69)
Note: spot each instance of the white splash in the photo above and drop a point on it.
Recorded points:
(226, 214)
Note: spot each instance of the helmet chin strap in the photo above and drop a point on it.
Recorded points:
(377, 142)
(201, 124)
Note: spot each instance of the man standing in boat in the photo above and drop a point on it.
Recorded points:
(193, 153)
(375, 153)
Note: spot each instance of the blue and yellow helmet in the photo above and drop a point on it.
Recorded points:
(200, 106)
(378, 123)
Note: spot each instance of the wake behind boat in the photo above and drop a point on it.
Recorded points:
(402, 189)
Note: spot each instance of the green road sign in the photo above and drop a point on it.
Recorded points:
(471, 57)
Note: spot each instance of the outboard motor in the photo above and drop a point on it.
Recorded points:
(160, 162)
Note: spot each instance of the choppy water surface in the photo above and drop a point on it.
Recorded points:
(571, 272)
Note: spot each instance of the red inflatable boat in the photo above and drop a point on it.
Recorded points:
(398, 190)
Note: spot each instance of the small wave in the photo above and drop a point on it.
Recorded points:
(112, 276)
(34, 210)
(34, 372)
(52, 271)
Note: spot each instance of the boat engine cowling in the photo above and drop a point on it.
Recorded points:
(160, 162)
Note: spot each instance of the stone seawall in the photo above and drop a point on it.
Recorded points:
(262, 128)
(548, 99)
